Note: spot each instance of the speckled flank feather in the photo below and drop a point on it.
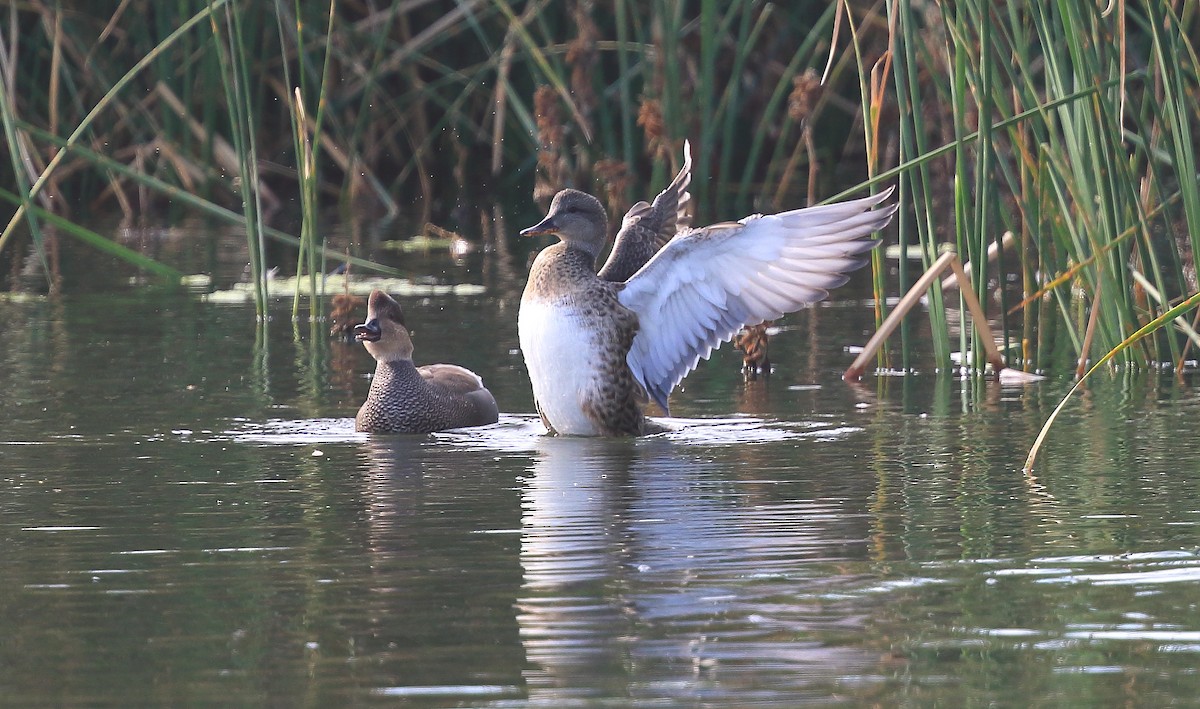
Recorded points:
(408, 399)
(575, 336)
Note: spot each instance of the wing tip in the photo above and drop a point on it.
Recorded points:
(661, 400)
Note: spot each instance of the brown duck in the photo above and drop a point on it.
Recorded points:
(405, 398)
(598, 348)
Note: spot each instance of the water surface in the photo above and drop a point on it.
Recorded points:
(189, 518)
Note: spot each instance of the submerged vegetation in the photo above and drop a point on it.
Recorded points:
(1073, 126)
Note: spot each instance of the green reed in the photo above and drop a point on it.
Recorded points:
(108, 96)
(914, 222)
(1072, 125)
(183, 197)
(307, 149)
(422, 83)
(20, 174)
(229, 40)
(92, 239)
(1071, 177)
(185, 135)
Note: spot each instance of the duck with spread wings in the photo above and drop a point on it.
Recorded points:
(599, 345)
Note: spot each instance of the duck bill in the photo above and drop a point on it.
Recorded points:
(546, 226)
(368, 331)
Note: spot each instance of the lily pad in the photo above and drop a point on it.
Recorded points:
(358, 285)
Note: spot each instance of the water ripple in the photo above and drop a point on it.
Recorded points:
(521, 432)
(1158, 576)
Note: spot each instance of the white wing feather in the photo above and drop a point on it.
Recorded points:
(705, 284)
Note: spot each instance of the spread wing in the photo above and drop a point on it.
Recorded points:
(647, 227)
(704, 285)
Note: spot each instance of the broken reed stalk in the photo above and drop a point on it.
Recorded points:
(308, 198)
(1090, 332)
(947, 260)
(994, 249)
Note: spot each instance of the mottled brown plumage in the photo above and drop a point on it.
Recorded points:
(564, 278)
(608, 399)
(597, 350)
(405, 398)
(647, 228)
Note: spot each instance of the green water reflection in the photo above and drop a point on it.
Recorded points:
(189, 518)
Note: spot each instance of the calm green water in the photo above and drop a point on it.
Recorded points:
(188, 519)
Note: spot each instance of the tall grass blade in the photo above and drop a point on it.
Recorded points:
(16, 153)
(182, 196)
(230, 46)
(96, 241)
(1147, 329)
(104, 103)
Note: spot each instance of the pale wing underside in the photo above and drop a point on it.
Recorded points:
(707, 283)
(647, 227)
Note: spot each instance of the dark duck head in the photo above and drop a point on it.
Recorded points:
(384, 333)
(409, 399)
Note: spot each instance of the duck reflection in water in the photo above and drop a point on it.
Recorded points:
(436, 602)
(646, 567)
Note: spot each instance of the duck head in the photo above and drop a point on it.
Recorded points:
(384, 333)
(577, 218)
